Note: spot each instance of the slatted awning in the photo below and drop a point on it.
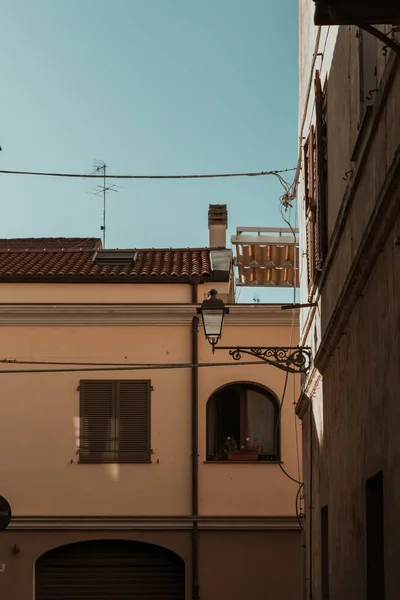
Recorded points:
(266, 257)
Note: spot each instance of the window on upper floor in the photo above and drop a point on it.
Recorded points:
(242, 424)
(315, 177)
(114, 421)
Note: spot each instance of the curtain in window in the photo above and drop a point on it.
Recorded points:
(261, 420)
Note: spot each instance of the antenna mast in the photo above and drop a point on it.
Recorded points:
(100, 166)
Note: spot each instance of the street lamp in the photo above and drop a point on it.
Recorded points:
(212, 313)
(295, 359)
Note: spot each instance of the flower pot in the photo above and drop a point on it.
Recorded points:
(253, 456)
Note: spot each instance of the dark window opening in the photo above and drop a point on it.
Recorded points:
(242, 424)
(325, 553)
(375, 538)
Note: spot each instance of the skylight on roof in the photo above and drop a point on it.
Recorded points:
(115, 257)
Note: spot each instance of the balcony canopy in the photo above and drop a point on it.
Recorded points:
(266, 257)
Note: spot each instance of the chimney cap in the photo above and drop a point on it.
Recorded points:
(217, 214)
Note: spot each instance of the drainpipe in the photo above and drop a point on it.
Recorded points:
(195, 450)
(304, 564)
(311, 503)
(195, 287)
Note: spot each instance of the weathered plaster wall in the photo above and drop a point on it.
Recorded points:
(350, 431)
(39, 428)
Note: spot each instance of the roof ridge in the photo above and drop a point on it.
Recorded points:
(5, 250)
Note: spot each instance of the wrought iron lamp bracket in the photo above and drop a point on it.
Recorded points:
(382, 37)
(295, 359)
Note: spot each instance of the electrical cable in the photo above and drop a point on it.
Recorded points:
(299, 515)
(286, 204)
(287, 188)
(294, 391)
(198, 176)
(136, 367)
(305, 103)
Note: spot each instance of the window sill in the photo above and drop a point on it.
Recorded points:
(114, 462)
(243, 462)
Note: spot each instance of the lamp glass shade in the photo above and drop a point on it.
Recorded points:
(212, 322)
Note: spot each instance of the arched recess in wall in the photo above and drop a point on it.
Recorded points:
(243, 414)
(111, 570)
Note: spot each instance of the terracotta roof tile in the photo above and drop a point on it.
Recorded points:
(37, 263)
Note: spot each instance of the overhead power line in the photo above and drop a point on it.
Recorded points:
(196, 176)
(132, 367)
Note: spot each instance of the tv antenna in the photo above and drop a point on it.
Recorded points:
(101, 167)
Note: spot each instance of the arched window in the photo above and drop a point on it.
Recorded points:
(242, 424)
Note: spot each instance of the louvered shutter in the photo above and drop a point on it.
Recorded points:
(320, 204)
(133, 421)
(310, 231)
(309, 170)
(97, 412)
(310, 207)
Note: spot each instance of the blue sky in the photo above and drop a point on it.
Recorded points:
(150, 87)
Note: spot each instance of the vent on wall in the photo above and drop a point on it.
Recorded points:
(115, 257)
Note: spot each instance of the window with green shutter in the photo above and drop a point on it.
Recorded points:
(114, 421)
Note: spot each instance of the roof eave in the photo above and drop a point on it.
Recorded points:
(221, 276)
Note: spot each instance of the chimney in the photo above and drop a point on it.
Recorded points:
(217, 225)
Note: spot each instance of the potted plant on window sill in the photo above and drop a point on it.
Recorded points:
(250, 451)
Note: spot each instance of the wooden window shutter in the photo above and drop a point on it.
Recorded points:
(133, 421)
(97, 421)
(307, 172)
(310, 229)
(320, 171)
(310, 207)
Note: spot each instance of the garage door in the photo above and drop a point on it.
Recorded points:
(110, 570)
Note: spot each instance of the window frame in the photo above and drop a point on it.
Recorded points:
(115, 424)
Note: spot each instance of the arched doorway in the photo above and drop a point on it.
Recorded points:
(243, 414)
(110, 570)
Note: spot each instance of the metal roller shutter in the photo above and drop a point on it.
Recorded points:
(110, 570)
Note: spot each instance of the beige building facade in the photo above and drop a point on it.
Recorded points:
(113, 430)
(348, 201)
